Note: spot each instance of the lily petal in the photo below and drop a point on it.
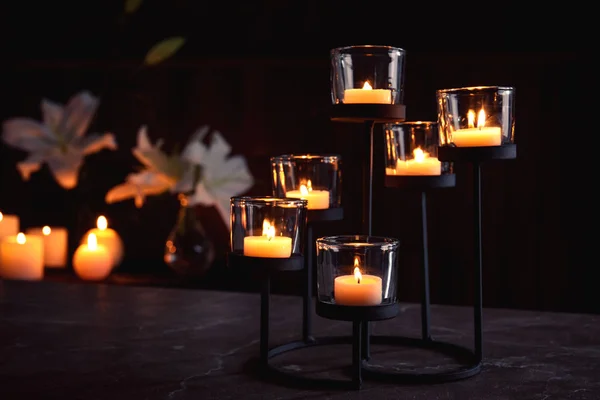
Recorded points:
(93, 143)
(78, 115)
(195, 151)
(138, 186)
(53, 113)
(221, 181)
(65, 167)
(27, 134)
(150, 155)
(218, 151)
(31, 164)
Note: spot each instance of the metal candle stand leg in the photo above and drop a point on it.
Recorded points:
(478, 290)
(307, 303)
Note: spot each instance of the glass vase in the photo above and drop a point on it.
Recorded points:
(188, 250)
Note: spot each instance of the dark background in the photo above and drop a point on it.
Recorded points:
(259, 73)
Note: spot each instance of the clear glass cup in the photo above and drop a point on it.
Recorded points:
(357, 270)
(267, 227)
(316, 178)
(480, 116)
(367, 74)
(412, 149)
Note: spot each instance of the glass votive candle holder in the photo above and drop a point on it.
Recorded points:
(355, 270)
(267, 227)
(479, 116)
(315, 178)
(367, 75)
(411, 149)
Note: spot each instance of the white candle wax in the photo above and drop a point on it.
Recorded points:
(263, 246)
(350, 292)
(421, 164)
(108, 238)
(268, 245)
(9, 225)
(477, 137)
(22, 257)
(55, 245)
(367, 95)
(316, 199)
(92, 261)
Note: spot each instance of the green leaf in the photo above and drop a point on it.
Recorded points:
(163, 50)
(132, 6)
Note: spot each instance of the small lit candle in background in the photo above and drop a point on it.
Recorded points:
(357, 289)
(268, 245)
(108, 238)
(479, 136)
(22, 257)
(92, 261)
(367, 95)
(9, 225)
(55, 245)
(421, 164)
(316, 199)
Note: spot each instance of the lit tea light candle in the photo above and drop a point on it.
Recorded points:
(367, 95)
(479, 136)
(421, 164)
(22, 257)
(357, 289)
(268, 245)
(316, 199)
(9, 225)
(108, 238)
(55, 245)
(92, 261)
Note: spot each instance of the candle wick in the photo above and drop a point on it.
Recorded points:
(358, 280)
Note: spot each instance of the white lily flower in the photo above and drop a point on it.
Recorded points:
(60, 140)
(160, 174)
(223, 176)
(206, 175)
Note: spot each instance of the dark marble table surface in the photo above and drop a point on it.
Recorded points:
(83, 341)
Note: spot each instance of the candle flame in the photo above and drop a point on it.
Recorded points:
(357, 275)
(367, 86)
(268, 230)
(419, 154)
(102, 223)
(1, 216)
(21, 239)
(481, 118)
(304, 189)
(471, 119)
(92, 241)
(46, 230)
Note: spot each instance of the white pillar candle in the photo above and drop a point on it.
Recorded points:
(316, 199)
(55, 245)
(108, 238)
(367, 95)
(268, 245)
(9, 225)
(479, 136)
(22, 257)
(357, 289)
(92, 261)
(421, 164)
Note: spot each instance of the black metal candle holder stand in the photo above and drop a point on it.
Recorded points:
(267, 266)
(369, 115)
(471, 364)
(359, 316)
(313, 217)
